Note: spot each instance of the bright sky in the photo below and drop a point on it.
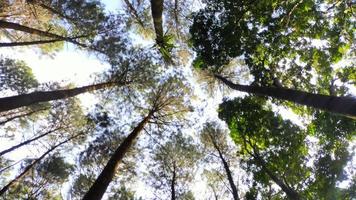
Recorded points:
(75, 66)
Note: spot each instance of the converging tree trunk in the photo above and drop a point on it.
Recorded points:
(13, 102)
(22, 115)
(30, 166)
(29, 30)
(173, 183)
(290, 192)
(28, 141)
(100, 185)
(157, 10)
(234, 190)
(341, 105)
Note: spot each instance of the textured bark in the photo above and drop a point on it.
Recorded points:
(100, 185)
(25, 29)
(173, 183)
(13, 102)
(28, 141)
(340, 105)
(234, 190)
(157, 10)
(30, 166)
(290, 192)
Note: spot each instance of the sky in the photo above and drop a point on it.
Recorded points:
(76, 66)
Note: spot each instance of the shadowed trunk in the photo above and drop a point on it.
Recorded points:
(22, 115)
(30, 166)
(134, 13)
(25, 29)
(157, 10)
(341, 105)
(28, 141)
(13, 102)
(38, 42)
(100, 185)
(290, 192)
(234, 190)
(173, 183)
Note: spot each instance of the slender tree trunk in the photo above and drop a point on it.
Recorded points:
(157, 10)
(38, 42)
(234, 190)
(173, 183)
(19, 27)
(30, 166)
(134, 13)
(290, 192)
(28, 141)
(21, 115)
(100, 185)
(8, 167)
(13, 102)
(341, 105)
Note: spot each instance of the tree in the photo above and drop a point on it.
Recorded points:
(277, 150)
(276, 46)
(164, 102)
(173, 166)
(214, 139)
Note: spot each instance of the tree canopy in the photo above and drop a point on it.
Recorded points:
(196, 99)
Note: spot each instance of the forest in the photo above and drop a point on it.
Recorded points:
(177, 99)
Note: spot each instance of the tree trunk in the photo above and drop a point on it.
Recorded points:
(173, 183)
(234, 190)
(157, 10)
(38, 42)
(341, 105)
(134, 13)
(13, 102)
(19, 27)
(290, 192)
(28, 141)
(100, 185)
(22, 115)
(30, 166)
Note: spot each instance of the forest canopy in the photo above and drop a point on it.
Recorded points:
(180, 100)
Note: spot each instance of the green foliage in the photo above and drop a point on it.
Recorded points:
(16, 76)
(277, 39)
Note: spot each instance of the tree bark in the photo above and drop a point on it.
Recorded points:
(100, 185)
(341, 105)
(25, 29)
(38, 42)
(28, 141)
(13, 102)
(30, 166)
(22, 115)
(134, 13)
(234, 190)
(290, 192)
(173, 183)
(157, 10)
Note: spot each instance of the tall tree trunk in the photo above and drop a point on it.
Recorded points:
(234, 190)
(25, 29)
(22, 115)
(37, 42)
(100, 185)
(28, 141)
(13, 102)
(157, 10)
(173, 183)
(30, 166)
(290, 192)
(134, 13)
(341, 105)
